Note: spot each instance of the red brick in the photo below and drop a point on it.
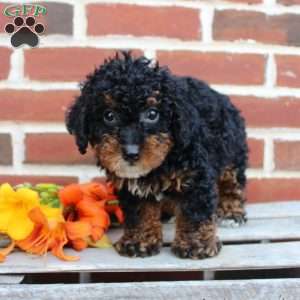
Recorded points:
(232, 25)
(216, 67)
(5, 62)
(122, 19)
(288, 70)
(278, 112)
(59, 18)
(256, 153)
(54, 148)
(289, 2)
(5, 149)
(18, 179)
(64, 64)
(273, 189)
(287, 155)
(49, 106)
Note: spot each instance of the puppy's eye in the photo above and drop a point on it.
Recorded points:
(110, 117)
(150, 116)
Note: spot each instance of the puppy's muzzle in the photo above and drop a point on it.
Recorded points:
(130, 140)
(131, 152)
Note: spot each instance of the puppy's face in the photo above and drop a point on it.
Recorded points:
(131, 113)
(133, 134)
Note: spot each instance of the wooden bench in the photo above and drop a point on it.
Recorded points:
(269, 241)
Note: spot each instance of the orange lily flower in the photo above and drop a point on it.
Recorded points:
(48, 234)
(85, 204)
(98, 191)
(78, 233)
(115, 209)
(83, 221)
(71, 194)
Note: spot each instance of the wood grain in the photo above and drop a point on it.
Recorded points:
(11, 279)
(262, 225)
(275, 289)
(232, 257)
(254, 230)
(273, 210)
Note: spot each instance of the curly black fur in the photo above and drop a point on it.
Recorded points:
(208, 132)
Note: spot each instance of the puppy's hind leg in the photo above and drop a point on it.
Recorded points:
(168, 210)
(231, 206)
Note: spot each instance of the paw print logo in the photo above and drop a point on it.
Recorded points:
(24, 31)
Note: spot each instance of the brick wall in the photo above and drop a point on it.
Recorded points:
(248, 49)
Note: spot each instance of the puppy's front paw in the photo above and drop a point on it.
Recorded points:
(196, 249)
(232, 220)
(135, 248)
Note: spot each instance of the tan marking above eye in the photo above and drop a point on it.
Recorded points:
(109, 100)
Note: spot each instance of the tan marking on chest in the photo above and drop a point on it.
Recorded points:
(176, 181)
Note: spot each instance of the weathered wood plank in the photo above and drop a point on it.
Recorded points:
(275, 289)
(263, 229)
(11, 279)
(267, 221)
(273, 210)
(232, 257)
(262, 225)
(253, 230)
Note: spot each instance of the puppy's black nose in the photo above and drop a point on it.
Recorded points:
(131, 152)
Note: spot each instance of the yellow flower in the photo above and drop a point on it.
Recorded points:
(53, 215)
(14, 209)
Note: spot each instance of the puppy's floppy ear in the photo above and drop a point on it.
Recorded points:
(184, 123)
(76, 122)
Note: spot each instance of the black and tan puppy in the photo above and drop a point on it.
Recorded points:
(164, 139)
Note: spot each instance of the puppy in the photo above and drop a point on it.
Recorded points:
(163, 140)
